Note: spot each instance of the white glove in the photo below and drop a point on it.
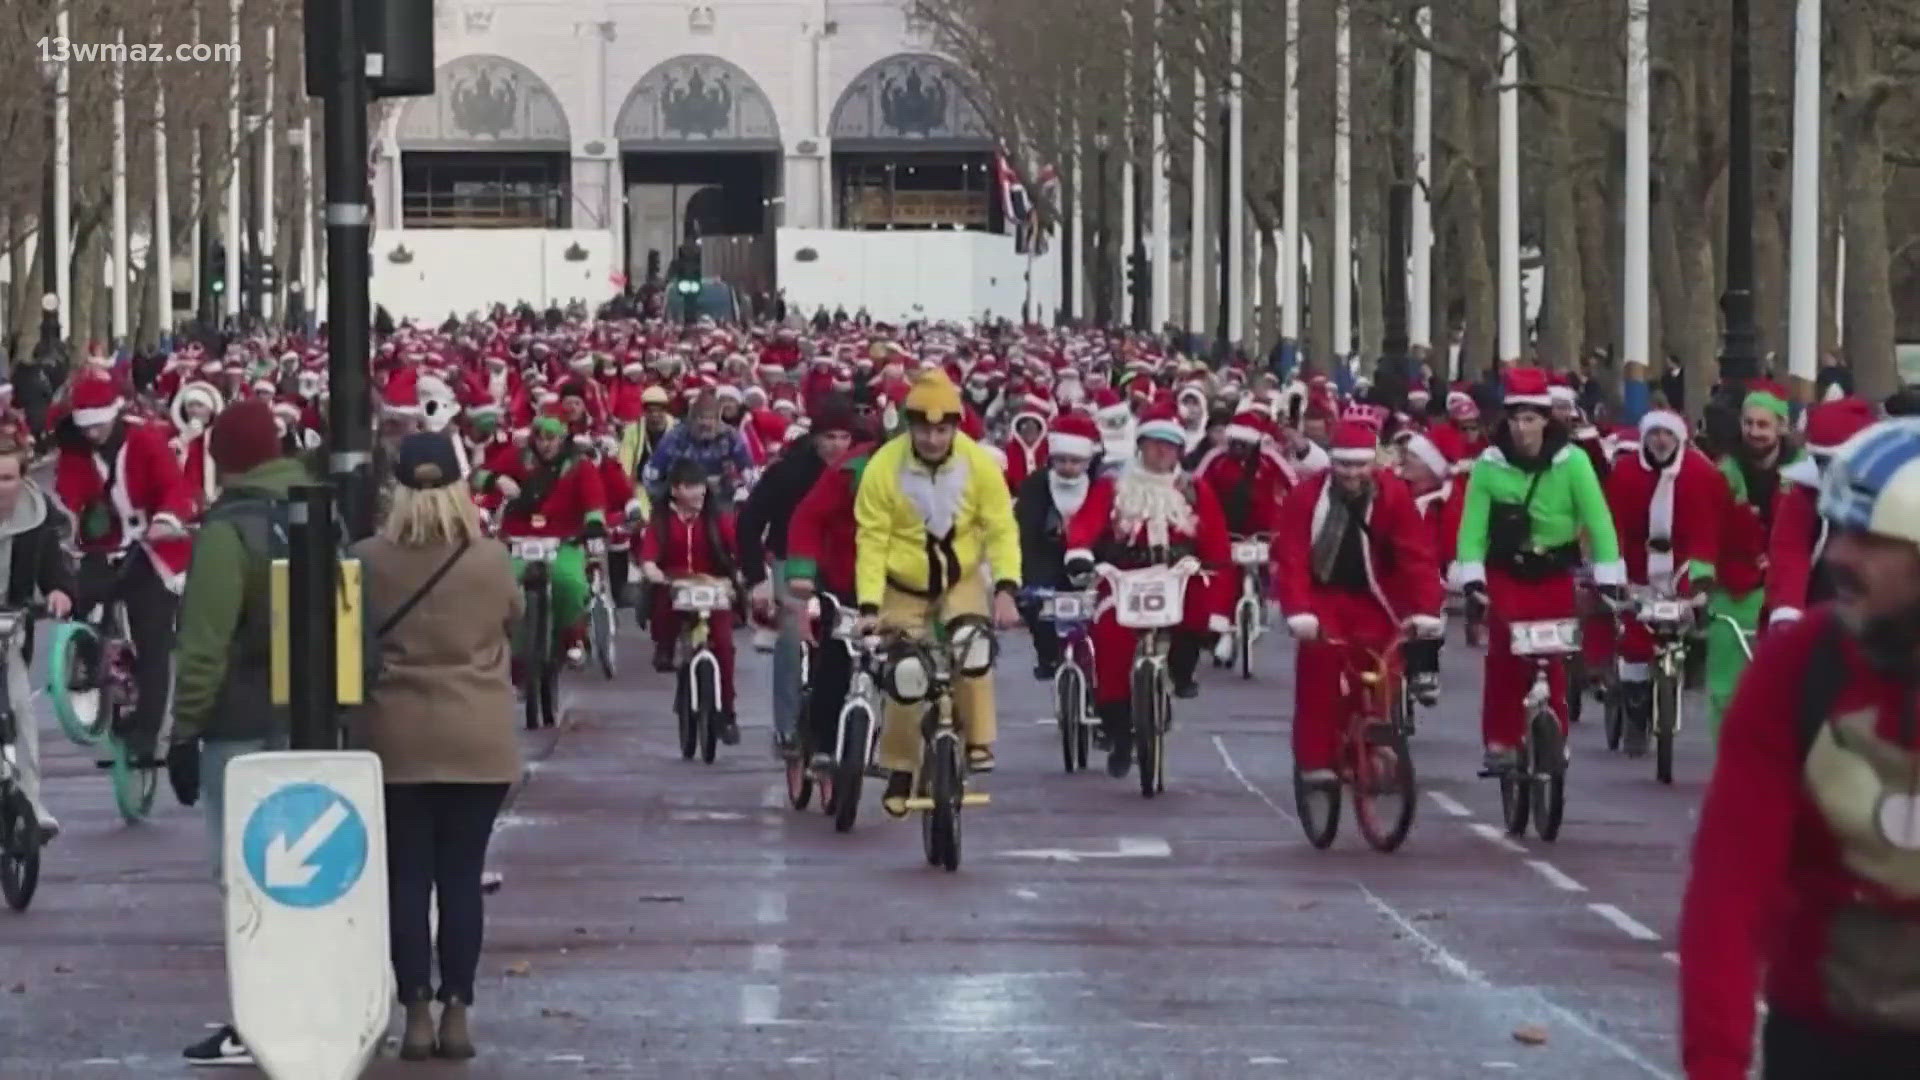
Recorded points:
(652, 572)
(507, 486)
(1304, 627)
(1219, 624)
(1427, 626)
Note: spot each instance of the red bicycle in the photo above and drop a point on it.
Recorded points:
(1376, 758)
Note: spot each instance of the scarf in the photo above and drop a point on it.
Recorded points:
(1068, 495)
(1343, 512)
(1660, 562)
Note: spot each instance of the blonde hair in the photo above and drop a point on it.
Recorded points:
(429, 517)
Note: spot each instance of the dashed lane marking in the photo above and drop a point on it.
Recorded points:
(768, 959)
(1555, 876)
(1450, 804)
(1248, 784)
(773, 909)
(1624, 922)
(1493, 835)
(759, 1004)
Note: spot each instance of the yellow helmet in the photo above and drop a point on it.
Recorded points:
(933, 399)
(655, 395)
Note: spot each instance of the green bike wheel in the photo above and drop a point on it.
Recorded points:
(133, 788)
(78, 701)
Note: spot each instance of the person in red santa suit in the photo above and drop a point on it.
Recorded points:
(1150, 513)
(1428, 464)
(1662, 500)
(1796, 579)
(1463, 415)
(1043, 504)
(1249, 477)
(193, 409)
(1353, 566)
(1026, 447)
(1585, 436)
(120, 484)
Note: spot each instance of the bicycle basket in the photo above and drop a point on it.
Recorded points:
(1151, 598)
(1545, 637)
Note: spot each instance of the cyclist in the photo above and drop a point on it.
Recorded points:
(1427, 464)
(1150, 513)
(638, 441)
(1042, 506)
(764, 526)
(122, 486)
(1529, 498)
(719, 450)
(1804, 867)
(1662, 499)
(688, 537)
(1354, 563)
(931, 514)
(1795, 576)
(1026, 444)
(551, 488)
(37, 566)
(622, 500)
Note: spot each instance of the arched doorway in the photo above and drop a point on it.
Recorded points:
(700, 151)
(490, 149)
(912, 150)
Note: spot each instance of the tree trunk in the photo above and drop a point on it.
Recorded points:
(1565, 316)
(1869, 330)
(1369, 304)
(1600, 289)
(1269, 313)
(1770, 268)
(1467, 228)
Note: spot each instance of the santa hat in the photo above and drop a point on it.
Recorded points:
(1073, 434)
(1373, 416)
(1527, 386)
(1418, 395)
(1423, 448)
(1161, 421)
(1355, 442)
(1249, 425)
(1461, 406)
(95, 401)
(1664, 420)
(1560, 389)
(438, 405)
(203, 392)
(1452, 447)
(1831, 423)
(1110, 407)
(1035, 407)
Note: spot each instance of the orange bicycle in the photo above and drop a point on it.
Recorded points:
(1375, 761)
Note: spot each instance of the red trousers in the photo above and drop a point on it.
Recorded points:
(1320, 670)
(665, 625)
(1508, 676)
(1113, 644)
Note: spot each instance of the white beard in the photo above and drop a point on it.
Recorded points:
(1153, 500)
(1068, 495)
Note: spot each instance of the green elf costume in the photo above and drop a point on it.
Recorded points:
(1740, 573)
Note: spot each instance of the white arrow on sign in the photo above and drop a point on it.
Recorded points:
(1129, 847)
(286, 864)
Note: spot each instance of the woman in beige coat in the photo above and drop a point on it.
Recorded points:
(441, 718)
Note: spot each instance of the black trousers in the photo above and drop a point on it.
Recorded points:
(1046, 641)
(1422, 656)
(830, 675)
(437, 838)
(151, 609)
(1797, 1050)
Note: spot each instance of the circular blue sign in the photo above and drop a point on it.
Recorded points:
(305, 845)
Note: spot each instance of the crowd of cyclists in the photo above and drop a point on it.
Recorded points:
(919, 474)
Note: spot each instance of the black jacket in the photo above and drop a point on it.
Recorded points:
(762, 526)
(39, 564)
(1043, 534)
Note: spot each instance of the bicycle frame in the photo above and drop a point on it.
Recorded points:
(1367, 688)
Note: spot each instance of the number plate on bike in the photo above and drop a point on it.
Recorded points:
(1662, 611)
(1546, 637)
(1249, 553)
(1149, 599)
(536, 550)
(701, 596)
(1067, 607)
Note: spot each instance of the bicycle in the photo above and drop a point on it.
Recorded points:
(20, 835)
(602, 640)
(1535, 785)
(95, 693)
(696, 693)
(915, 672)
(1150, 601)
(1250, 554)
(1375, 758)
(539, 667)
(857, 734)
(1071, 614)
(1668, 620)
(802, 776)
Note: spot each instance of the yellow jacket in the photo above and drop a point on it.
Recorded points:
(900, 505)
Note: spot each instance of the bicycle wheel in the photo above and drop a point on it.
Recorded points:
(1549, 780)
(1516, 806)
(1245, 619)
(941, 824)
(1666, 724)
(550, 693)
(605, 643)
(709, 710)
(19, 850)
(1384, 796)
(133, 788)
(1318, 808)
(683, 712)
(851, 769)
(1146, 744)
(534, 637)
(1068, 697)
(1614, 719)
(74, 682)
(799, 761)
(1576, 688)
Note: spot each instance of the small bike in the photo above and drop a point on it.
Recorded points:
(1251, 555)
(1375, 759)
(601, 638)
(1535, 786)
(857, 734)
(1150, 601)
(923, 673)
(1071, 615)
(696, 694)
(20, 835)
(539, 666)
(1669, 621)
(94, 695)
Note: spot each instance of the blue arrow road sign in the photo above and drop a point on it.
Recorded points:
(305, 845)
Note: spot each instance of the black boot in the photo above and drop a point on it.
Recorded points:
(1183, 661)
(1637, 703)
(729, 728)
(1117, 722)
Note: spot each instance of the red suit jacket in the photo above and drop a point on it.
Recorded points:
(139, 485)
(1402, 573)
(1679, 506)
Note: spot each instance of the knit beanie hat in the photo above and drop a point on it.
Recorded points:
(244, 436)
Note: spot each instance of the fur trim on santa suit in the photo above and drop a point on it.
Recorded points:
(1669, 505)
(141, 487)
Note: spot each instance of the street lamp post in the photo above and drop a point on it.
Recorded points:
(1738, 362)
(49, 250)
(1103, 259)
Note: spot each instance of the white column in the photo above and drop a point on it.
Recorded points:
(1076, 213)
(63, 184)
(1511, 343)
(1636, 339)
(1236, 185)
(1200, 233)
(823, 110)
(1839, 283)
(1160, 306)
(118, 151)
(1420, 268)
(309, 283)
(160, 251)
(1340, 261)
(1803, 262)
(1290, 180)
(268, 151)
(1125, 314)
(232, 232)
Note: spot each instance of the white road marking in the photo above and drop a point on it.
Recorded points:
(1266, 1061)
(768, 959)
(1450, 804)
(1555, 876)
(1670, 957)
(759, 1004)
(1026, 894)
(566, 1059)
(707, 815)
(1496, 836)
(1128, 847)
(1227, 759)
(773, 909)
(1499, 1065)
(775, 797)
(1438, 955)
(1626, 923)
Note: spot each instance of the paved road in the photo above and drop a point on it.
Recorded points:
(667, 919)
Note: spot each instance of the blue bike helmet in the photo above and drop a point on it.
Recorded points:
(1873, 483)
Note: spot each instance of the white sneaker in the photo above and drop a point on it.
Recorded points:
(1320, 777)
(49, 825)
(764, 639)
(1223, 650)
(576, 657)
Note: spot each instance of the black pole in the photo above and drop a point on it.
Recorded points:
(1143, 287)
(1394, 337)
(349, 266)
(1221, 342)
(254, 260)
(49, 248)
(1738, 362)
(311, 618)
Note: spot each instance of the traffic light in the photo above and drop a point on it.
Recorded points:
(215, 268)
(1137, 282)
(269, 275)
(687, 270)
(653, 264)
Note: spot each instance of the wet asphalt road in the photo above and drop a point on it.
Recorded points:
(670, 919)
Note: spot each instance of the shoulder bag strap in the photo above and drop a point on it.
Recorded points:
(420, 594)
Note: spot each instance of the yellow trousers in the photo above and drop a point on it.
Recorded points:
(972, 698)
